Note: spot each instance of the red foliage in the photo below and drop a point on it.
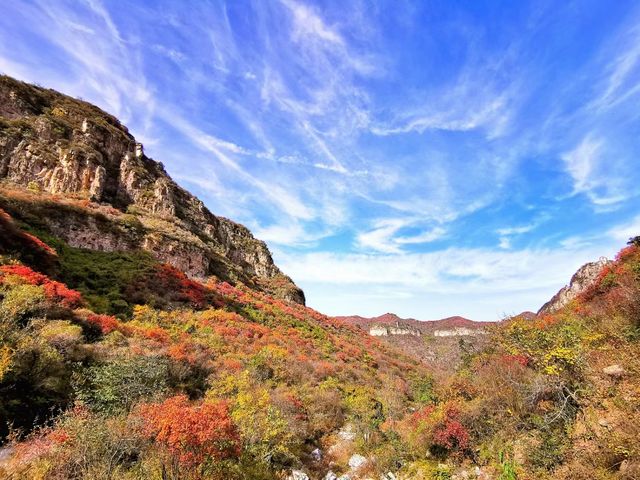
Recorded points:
(169, 279)
(421, 415)
(324, 369)
(451, 434)
(627, 252)
(156, 333)
(183, 351)
(30, 248)
(515, 359)
(60, 292)
(55, 291)
(192, 433)
(108, 324)
(231, 364)
(35, 241)
(58, 436)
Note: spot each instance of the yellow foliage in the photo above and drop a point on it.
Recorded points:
(263, 427)
(6, 354)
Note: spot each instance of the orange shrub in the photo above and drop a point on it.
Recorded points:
(192, 434)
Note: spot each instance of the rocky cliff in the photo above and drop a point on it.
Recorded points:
(56, 146)
(580, 281)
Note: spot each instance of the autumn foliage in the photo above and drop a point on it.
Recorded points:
(189, 379)
(191, 433)
(55, 291)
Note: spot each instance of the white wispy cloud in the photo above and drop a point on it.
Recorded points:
(456, 117)
(449, 271)
(592, 174)
(625, 231)
(516, 230)
(621, 81)
(309, 23)
(424, 237)
(506, 234)
(383, 237)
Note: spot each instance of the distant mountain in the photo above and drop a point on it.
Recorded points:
(423, 326)
(439, 343)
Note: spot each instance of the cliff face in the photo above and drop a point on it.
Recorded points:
(53, 144)
(580, 281)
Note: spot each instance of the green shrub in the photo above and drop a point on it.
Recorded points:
(117, 385)
(423, 390)
(20, 302)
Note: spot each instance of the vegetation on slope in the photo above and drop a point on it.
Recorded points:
(199, 380)
(208, 380)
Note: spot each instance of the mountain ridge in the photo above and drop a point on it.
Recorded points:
(54, 144)
(391, 318)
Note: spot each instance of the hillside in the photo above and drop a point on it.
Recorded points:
(125, 201)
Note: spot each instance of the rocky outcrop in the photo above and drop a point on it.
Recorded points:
(459, 332)
(581, 280)
(397, 329)
(58, 145)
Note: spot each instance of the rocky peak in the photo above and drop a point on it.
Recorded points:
(55, 144)
(580, 281)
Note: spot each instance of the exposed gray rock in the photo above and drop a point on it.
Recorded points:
(347, 433)
(316, 454)
(66, 146)
(356, 461)
(614, 371)
(298, 475)
(580, 281)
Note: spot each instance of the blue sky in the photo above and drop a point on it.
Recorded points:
(426, 158)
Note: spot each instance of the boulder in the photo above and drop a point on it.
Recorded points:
(614, 371)
(347, 433)
(298, 475)
(356, 461)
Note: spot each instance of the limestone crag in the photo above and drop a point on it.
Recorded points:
(459, 332)
(580, 281)
(397, 329)
(55, 144)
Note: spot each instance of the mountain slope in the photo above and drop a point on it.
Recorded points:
(125, 350)
(281, 378)
(55, 144)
